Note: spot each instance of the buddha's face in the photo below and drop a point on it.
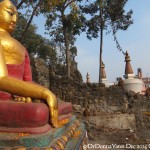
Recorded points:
(8, 16)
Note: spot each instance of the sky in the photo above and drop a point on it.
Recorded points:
(136, 40)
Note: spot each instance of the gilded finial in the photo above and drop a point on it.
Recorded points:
(103, 65)
(127, 57)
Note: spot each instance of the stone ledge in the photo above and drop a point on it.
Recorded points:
(115, 121)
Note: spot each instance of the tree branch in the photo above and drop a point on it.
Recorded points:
(30, 20)
(71, 1)
(20, 4)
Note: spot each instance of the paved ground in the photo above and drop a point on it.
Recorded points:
(115, 139)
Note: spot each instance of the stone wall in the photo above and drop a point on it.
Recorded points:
(40, 72)
(90, 99)
(139, 104)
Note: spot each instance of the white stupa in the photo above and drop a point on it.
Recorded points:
(131, 83)
(103, 76)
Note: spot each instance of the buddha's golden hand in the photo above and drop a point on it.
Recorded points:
(23, 99)
(53, 105)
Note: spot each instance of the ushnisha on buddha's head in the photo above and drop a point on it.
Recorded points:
(8, 16)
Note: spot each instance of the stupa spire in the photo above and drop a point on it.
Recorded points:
(103, 73)
(128, 68)
(87, 78)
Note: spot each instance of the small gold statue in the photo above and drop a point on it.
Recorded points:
(13, 52)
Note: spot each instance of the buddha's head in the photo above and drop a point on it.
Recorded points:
(8, 16)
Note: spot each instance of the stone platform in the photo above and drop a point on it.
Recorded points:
(70, 136)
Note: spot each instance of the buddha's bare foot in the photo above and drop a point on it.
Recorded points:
(23, 99)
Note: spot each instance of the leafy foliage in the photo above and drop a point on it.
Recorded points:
(64, 21)
(35, 43)
(113, 14)
(108, 15)
(33, 8)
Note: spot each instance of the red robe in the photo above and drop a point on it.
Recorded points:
(21, 71)
(26, 117)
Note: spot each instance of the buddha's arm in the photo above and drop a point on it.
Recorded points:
(26, 89)
(3, 69)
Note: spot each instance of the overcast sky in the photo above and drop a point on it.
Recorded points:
(136, 40)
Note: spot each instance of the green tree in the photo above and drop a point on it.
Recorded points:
(33, 8)
(64, 21)
(106, 15)
(35, 43)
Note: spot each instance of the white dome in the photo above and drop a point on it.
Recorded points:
(134, 84)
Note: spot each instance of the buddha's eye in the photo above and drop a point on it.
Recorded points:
(11, 14)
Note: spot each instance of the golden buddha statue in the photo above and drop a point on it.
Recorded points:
(14, 53)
